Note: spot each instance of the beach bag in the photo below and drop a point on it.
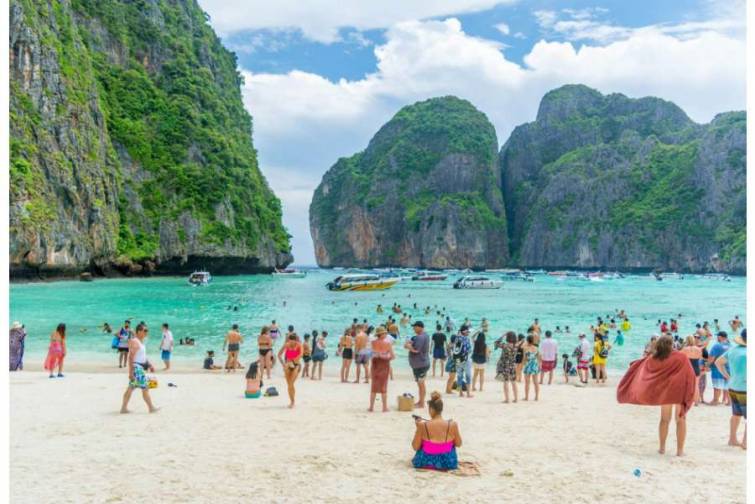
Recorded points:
(406, 402)
(603, 352)
(151, 382)
(114, 342)
(271, 392)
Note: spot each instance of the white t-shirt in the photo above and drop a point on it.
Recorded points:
(586, 348)
(167, 342)
(549, 349)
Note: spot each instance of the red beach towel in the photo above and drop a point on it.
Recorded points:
(654, 382)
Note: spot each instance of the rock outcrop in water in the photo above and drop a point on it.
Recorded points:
(594, 182)
(130, 147)
(424, 193)
(612, 182)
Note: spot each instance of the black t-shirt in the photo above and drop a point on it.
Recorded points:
(439, 340)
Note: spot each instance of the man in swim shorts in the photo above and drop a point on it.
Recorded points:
(549, 351)
(720, 384)
(419, 358)
(233, 340)
(362, 349)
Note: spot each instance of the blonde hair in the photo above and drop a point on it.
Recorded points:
(689, 341)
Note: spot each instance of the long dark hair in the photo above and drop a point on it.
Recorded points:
(479, 344)
(61, 329)
(252, 373)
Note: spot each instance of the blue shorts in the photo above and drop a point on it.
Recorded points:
(439, 353)
(165, 355)
(720, 383)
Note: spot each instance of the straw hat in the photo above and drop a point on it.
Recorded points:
(16, 325)
(380, 331)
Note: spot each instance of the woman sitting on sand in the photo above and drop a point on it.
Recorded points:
(506, 366)
(290, 355)
(265, 348)
(435, 440)
(56, 353)
(380, 368)
(346, 349)
(665, 379)
(253, 382)
(532, 361)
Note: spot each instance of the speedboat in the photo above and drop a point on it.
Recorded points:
(200, 278)
(290, 273)
(515, 274)
(477, 282)
(429, 276)
(364, 282)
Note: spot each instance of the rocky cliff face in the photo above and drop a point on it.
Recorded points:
(611, 182)
(130, 146)
(424, 193)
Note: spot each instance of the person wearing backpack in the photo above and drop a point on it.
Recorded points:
(600, 357)
(462, 351)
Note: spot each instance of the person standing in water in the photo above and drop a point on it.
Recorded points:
(137, 365)
(265, 349)
(166, 346)
(361, 347)
(419, 359)
(275, 332)
(233, 340)
(382, 354)
(57, 351)
(290, 355)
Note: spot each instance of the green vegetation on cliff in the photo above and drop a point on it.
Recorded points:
(173, 130)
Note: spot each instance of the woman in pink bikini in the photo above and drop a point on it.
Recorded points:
(436, 440)
(57, 351)
(290, 355)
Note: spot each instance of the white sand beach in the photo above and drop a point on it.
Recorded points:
(69, 444)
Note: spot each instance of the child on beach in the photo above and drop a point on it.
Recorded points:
(568, 367)
(253, 382)
(209, 361)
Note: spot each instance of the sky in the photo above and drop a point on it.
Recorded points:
(322, 76)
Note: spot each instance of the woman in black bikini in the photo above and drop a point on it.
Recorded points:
(346, 347)
(265, 346)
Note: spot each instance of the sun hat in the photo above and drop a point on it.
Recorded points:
(16, 325)
(381, 330)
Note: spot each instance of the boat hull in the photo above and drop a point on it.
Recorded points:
(363, 286)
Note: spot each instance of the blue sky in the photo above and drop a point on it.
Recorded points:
(321, 76)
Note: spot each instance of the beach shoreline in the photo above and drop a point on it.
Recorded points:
(329, 448)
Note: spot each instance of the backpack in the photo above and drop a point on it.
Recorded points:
(603, 351)
(270, 392)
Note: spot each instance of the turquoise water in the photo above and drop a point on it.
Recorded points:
(202, 312)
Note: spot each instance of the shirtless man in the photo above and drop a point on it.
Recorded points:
(233, 340)
(363, 353)
(265, 348)
(536, 327)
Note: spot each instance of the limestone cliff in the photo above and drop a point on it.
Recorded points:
(612, 182)
(425, 193)
(130, 146)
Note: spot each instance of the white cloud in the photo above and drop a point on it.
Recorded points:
(503, 28)
(320, 20)
(304, 122)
